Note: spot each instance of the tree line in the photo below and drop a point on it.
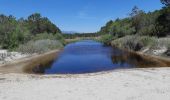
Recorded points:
(79, 35)
(155, 23)
(19, 31)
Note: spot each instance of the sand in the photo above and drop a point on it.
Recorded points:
(127, 84)
(7, 57)
(25, 64)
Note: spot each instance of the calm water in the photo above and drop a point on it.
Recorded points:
(89, 56)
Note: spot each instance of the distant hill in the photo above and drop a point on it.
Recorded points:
(69, 32)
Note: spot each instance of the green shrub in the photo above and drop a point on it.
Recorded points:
(135, 42)
(106, 39)
(132, 43)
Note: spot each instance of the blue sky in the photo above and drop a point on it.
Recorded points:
(77, 15)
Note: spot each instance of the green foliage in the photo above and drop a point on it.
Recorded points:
(163, 22)
(155, 23)
(135, 42)
(148, 24)
(16, 32)
(106, 29)
(38, 24)
(12, 33)
(80, 35)
(129, 42)
(136, 16)
(166, 2)
(122, 27)
(106, 38)
(148, 41)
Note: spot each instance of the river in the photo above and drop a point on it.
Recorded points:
(89, 56)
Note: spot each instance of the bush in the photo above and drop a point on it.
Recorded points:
(51, 36)
(164, 42)
(148, 41)
(39, 46)
(14, 32)
(106, 39)
(135, 43)
(147, 31)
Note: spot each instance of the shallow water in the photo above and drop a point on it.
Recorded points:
(90, 56)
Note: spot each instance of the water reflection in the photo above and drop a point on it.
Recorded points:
(91, 56)
(136, 60)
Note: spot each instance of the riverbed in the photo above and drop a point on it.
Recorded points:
(88, 56)
(83, 57)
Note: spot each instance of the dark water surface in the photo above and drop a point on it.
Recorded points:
(90, 56)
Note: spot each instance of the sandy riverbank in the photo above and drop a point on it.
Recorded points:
(128, 84)
(136, 84)
(8, 57)
(25, 64)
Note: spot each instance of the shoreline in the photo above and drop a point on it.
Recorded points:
(24, 65)
(19, 65)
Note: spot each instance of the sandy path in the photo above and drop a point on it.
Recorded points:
(136, 84)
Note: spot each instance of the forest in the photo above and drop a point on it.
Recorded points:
(15, 32)
(140, 30)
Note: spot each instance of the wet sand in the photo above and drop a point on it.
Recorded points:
(25, 64)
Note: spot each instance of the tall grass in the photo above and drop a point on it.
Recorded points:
(128, 42)
(138, 43)
(39, 46)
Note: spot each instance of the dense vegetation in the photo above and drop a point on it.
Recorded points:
(15, 32)
(79, 35)
(139, 23)
(155, 23)
(166, 2)
(140, 30)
